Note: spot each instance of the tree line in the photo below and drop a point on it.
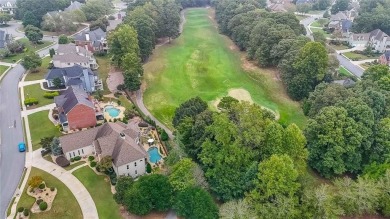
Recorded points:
(275, 39)
(372, 14)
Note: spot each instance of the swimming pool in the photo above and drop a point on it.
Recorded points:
(154, 156)
(112, 111)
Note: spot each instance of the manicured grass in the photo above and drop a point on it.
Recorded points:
(344, 72)
(28, 47)
(35, 91)
(319, 22)
(321, 31)
(339, 47)
(3, 69)
(65, 204)
(203, 63)
(125, 102)
(103, 70)
(100, 190)
(40, 127)
(42, 71)
(356, 57)
(74, 164)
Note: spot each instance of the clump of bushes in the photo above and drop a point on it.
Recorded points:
(148, 168)
(31, 101)
(42, 186)
(39, 201)
(93, 164)
(26, 212)
(52, 189)
(72, 159)
(77, 158)
(43, 206)
(20, 209)
(62, 161)
(51, 94)
(91, 158)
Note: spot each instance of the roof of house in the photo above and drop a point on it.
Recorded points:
(71, 58)
(377, 34)
(346, 25)
(346, 83)
(72, 49)
(303, 1)
(71, 97)
(108, 141)
(4, 2)
(387, 55)
(277, 7)
(339, 16)
(75, 71)
(334, 24)
(361, 36)
(94, 35)
(74, 6)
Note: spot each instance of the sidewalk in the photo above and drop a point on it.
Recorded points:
(26, 83)
(42, 108)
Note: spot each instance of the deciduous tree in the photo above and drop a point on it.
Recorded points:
(31, 61)
(33, 34)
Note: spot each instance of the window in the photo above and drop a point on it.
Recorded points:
(135, 164)
(78, 151)
(74, 154)
(136, 172)
(70, 155)
(82, 151)
(127, 166)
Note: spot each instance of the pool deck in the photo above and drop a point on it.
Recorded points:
(107, 116)
(152, 134)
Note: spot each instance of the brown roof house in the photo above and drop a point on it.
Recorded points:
(75, 109)
(117, 140)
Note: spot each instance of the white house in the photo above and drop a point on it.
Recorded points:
(377, 39)
(8, 6)
(117, 140)
(68, 55)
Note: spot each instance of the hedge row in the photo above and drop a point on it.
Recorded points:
(51, 94)
(31, 101)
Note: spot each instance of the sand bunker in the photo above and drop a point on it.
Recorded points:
(242, 95)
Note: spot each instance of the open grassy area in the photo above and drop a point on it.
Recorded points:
(65, 204)
(35, 91)
(339, 47)
(41, 126)
(344, 72)
(74, 164)
(300, 17)
(104, 69)
(42, 71)
(319, 22)
(321, 31)
(357, 57)
(100, 190)
(3, 69)
(203, 63)
(28, 47)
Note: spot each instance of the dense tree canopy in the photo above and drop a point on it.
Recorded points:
(33, 34)
(371, 16)
(339, 5)
(31, 61)
(95, 9)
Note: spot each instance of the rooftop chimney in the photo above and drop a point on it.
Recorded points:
(77, 49)
(87, 36)
(122, 135)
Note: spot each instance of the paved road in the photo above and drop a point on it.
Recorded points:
(354, 69)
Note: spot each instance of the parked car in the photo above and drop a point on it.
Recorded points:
(22, 147)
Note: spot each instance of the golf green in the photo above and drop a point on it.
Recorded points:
(201, 62)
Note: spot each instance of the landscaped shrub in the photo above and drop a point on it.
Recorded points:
(42, 186)
(77, 158)
(148, 168)
(51, 95)
(26, 212)
(72, 159)
(52, 189)
(91, 158)
(62, 161)
(142, 124)
(20, 209)
(31, 101)
(93, 164)
(39, 201)
(164, 136)
(43, 206)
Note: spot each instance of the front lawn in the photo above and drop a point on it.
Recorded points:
(357, 57)
(103, 70)
(339, 47)
(74, 164)
(65, 204)
(28, 47)
(3, 69)
(40, 127)
(100, 190)
(42, 71)
(321, 31)
(35, 91)
(319, 22)
(344, 72)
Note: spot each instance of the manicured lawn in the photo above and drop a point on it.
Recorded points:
(344, 72)
(103, 70)
(40, 127)
(100, 190)
(321, 31)
(125, 102)
(74, 164)
(42, 71)
(3, 69)
(28, 47)
(35, 91)
(356, 57)
(203, 63)
(65, 204)
(339, 47)
(317, 23)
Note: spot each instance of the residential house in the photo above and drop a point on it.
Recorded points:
(277, 7)
(74, 5)
(8, 6)
(346, 83)
(70, 54)
(75, 109)
(76, 75)
(385, 58)
(377, 39)
(298, 2)
(94, 41)
(117, 140)
(5, 38)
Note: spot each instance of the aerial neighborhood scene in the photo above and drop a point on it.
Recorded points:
(198, 109)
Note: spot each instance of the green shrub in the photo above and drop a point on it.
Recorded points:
(50, 94)
(72, 159)
(42, 186)
(52, 189)
(31, 101)
(91, 158)
(20, 209)
(39, 201)
(77, 158)
(43, 206)
(148, 168)
(26, 212)
(164, 136)
(93, 164)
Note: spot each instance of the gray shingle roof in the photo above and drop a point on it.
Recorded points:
(75, 71)
(71, 58)
(72, 49)
(72, 97)
(94, 35)
(74, 6)
(107, 142)
(378, 34)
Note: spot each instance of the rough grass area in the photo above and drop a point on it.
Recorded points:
(3, 69)
(357, 57)
(203, 63)
(100, 190)
(65, 204)
(35, 91)
(40, 127)
(104, 69)
(42, 71)
(28, 47)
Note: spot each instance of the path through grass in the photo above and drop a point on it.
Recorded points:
(203, 63)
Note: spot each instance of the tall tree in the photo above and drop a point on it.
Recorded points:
(33, 34)
(31, 61)
(339, 5)
(4, 18)
(95, 9)
(168, 21)
(30, 19)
